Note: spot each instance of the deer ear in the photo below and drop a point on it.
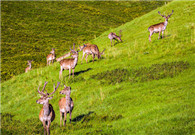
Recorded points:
(50, 97)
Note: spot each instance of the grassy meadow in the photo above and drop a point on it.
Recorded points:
(138, 87)
(31, 29)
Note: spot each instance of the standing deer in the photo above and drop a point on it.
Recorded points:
(160, 27)
(47, 114)
(92, 50)
(112, 36)
(70, 63)
(30, 66)
(51, 56)
(65, 104)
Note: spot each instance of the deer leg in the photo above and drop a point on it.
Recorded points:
(162, 34)
(60, 74)
(150, 36)
(60, 119)
(82, 58)
(44, 126)
(48, 132)
(111, 42)
(159, 35)
(69, 72)
(70, 116)
(86, 57)
(93, 56)
(73, 72)
(64, 121)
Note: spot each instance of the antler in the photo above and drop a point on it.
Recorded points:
(55, 88)
(160, 14)
(120, 33)
(41, 92)
(171, 13)
(103, 51)
(73, 48)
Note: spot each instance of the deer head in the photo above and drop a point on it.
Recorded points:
(52, 51)
(45, 96)
(166, 17)
(66, 90)
(75, 53)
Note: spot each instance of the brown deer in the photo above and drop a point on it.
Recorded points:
(51, 56)
(92, 50)
(66, 104)
(30, 66)
(160, 27)
(47, 114)
(112, 36)
(68, 64)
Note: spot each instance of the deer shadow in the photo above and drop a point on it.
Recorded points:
(82, 71)
(80, 117)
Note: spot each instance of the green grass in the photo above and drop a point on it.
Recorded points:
(155, 94)
(31, 29)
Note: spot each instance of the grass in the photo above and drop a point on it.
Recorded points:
(31, 29)
(158, 100)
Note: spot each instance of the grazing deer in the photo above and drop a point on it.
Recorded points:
(112, 36)
(47, 114)
(70, 63)
(51, 56)
(64, 56)
(160, 27)
(92, 50)
(30, 66)
(65, 104)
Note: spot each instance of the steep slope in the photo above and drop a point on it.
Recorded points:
(137, 88)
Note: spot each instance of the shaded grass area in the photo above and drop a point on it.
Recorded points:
(142, 74)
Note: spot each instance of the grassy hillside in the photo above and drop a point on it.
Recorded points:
(137, 87)
(31, 29)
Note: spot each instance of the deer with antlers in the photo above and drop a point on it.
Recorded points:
(112, 36)
(66, 104)
(160, 27)
(51, 56)
(30, 66)
(47, 114)
(68, 64)
(93, 50)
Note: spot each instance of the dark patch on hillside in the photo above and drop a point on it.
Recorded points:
(142, 74)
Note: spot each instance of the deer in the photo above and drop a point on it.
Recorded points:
(51, 56)
(112, 36)
(68, 64)
(160, 27)
(66, 105)
(30, 66)
(92, 50)
(47, 114)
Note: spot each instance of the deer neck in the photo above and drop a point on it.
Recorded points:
(30, 66)
(68, 102)
(46, 109)
(75, 61)
(165, 24)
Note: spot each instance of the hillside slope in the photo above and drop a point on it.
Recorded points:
(137, 87)
(31, 29)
